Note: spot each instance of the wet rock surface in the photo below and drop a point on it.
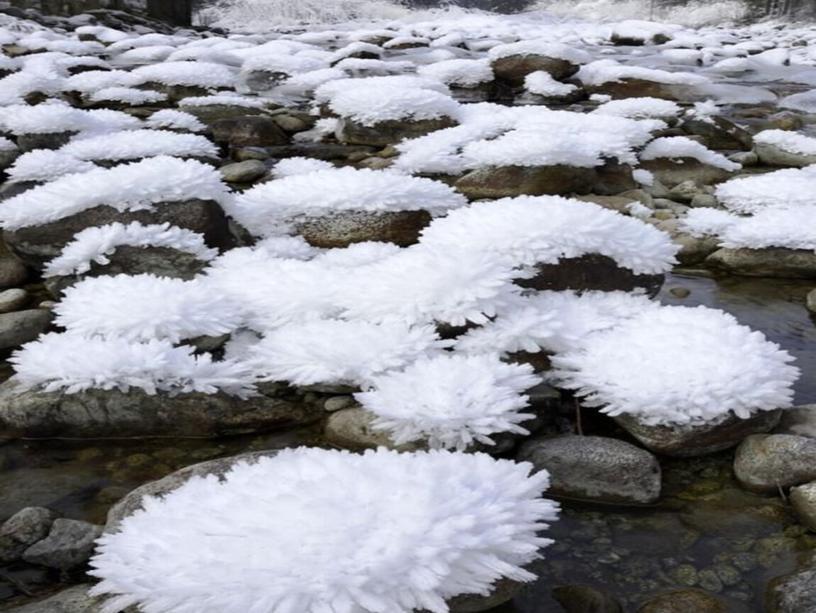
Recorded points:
(768, 463)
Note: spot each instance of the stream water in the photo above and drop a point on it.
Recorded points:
(705, 531)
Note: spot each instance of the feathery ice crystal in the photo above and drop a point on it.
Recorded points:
(453, 524)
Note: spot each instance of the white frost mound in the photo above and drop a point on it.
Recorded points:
(785, 140)
(202, 74)
(639, 108)
(170, 119)
(541, 83)
(678, 147)
(787, 187)
(372, 105)
(128, 95)
(459, 72)
(803, 101)
(51, 363)
(144, 307)
(344, 352)
(137, 144)
(531, 230)
(544, 48)
(57, 117)
(789, 227)
(130, 187)
(451, 401)
(268, 209)
(475, 521)
(94, 245)
(692, 365)
(606, 71)
(289, 167)
(46, 165)
(552, 321)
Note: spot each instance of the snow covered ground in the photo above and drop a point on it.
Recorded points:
(432, 214)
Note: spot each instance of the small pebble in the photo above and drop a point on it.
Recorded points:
(680, 292)
(13, 300)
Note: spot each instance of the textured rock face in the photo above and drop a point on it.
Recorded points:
(106, 413)
(509, 181)
(684, 601)
(22, 530)
(347, 227)
(771, 262)
(774, 156)
(388, 132)
(35, 245)
(719, 133)
(766, 463)
(803, 501)
(799, 420)
(23, 326)
(515, 68)
(639, 88)
(671, 172)
(69, 544)
(794, 593)
(248, 131)
(351, 429)
(595, 468)
(591, 272)
(133, 501)
(690, 441)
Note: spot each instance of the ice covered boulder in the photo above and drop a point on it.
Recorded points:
(339, 206)
(180, 80)
(618, 80)
(514, 61)
(676, 159)
(39, 223)
(542, 88)
(727, 382)
(502, 504)
(8, 153)
(784, 148)
(210, 109)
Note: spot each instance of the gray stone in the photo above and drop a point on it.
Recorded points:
(249, 131)
(704, 200)
(211, 113)
(672, 172)
(291, 123)
(770, 262)
(22, 530)
(639, 88)
(343, 228)
(111, 413)
(595, 468)
(685, 191)
(37, 244)
(132, 502)
(30, 142)
(23, 326)
(684, 601)
(803, 501)
(335, 403)
(746, 158)
(810, 301)
(514, 68)
(388, 132)
(503, 591)
(12, 272)
(510, 181)
(766, 463)
(694, 249)
(585, 599)
(72, 600)
(689, 441)
(243, 172)
(793, 593)
(69, 544)
(800, 420)
(12, 300)
(351, 429)
(719, 133)
(772, 155)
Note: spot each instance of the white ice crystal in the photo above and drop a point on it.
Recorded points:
(412, 530)
(605, 71)
(459, 72)
(144, 307)
(789, 227)
(335, 351)
(289, 167)
(170, 119)
(541, 83)
(129, 95)
(94, 245)
(372, 105)
(678, 147)
(787, 187)
(269, 208)
(138, 144)
(51, 363)
(678, 365)
(786, 140)
(201, 74)
(136, 186)
(46, 165)
(639, 108)
(225, 99)
(57, 117)
(451, 401)
(530, 230)
(544, 48)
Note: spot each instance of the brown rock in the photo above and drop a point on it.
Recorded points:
(347, 227)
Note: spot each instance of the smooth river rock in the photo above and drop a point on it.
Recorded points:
(766, 463)
(595, 468)
(793, 593)
(689, 441)
(803, 501)
(770, 262)
(69, 544)
(22, 530)
(111, 413)
(23, 326)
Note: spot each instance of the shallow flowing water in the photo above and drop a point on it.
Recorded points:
(705, 531)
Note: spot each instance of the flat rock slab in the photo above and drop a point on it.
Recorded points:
(69, 544)
(771, 262)
(595, 468)
(111, 413)
(689, 441)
